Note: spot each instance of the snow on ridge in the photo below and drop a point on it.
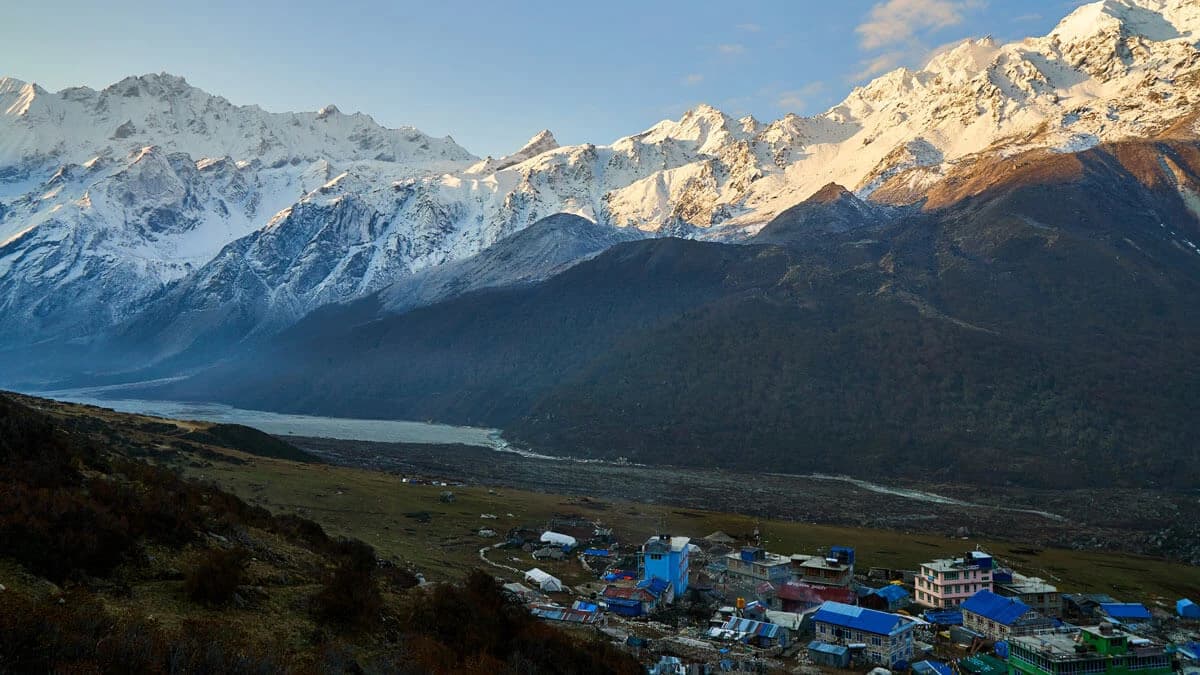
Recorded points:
(165, 110)
(309, 208)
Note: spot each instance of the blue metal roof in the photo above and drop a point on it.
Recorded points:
(655, 585)
(826, 648)
(1125, 610)
(891, 593)
(859, 618)
(998, 608)
(944, 617)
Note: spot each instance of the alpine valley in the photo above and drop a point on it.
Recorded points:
(985, 268)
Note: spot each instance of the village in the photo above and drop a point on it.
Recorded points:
(715, 603)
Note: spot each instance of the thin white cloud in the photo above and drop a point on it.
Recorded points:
(898, 30)
(1027, 17)
(880, 64)
(749, 27)
(900, 21)
(731, 49)
(794, 100)
(693, 79)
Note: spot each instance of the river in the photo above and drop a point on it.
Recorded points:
(348, 429)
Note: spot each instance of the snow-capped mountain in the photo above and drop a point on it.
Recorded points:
(105, 197)
(110, 194)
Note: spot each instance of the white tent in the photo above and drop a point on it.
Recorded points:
(559, 539)
(543, 580)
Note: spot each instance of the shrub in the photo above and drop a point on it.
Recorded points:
(214, 579)
(351, 598)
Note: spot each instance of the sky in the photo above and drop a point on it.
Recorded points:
(493, 74)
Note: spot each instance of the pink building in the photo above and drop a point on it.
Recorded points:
(947, 582)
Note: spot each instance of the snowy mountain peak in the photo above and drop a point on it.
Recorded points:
(10, 85)
(543, 141)
(154, 84)
(965, 60)
(77, 124)
(152, 181)
(1157, 20)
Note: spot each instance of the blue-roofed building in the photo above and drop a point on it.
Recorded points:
(666, 557)
(944, 617)
(998, 617)
(889, 598)
(1084, 606)
(1186, 609)
(887, 638)
(1125, 612)
(637, 600)
(659, 588)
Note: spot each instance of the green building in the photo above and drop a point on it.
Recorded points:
(1102, 649)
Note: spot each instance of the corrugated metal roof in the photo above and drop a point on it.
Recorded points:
(997, 608)
(788, 620)
(859, 618)
(891, 593)
(1125, 610)
(627, 593)
(555, 613)
(654, 585)
(750, 627)
(944, 617)
(826, 648)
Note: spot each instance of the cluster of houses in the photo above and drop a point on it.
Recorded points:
(816, 608)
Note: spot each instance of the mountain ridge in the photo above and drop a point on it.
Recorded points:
(1030, 333)
(88, 239)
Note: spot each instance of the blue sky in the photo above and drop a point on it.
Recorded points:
(492, 74)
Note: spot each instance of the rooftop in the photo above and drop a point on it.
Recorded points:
(819, 562)
(664, 543)
(1125, 611)
(826, 648)
(891, 593)
(1002, 610)
(951, 564)
(1065, 643)
(860, 618)
(627, 593)
(800, 591)
(1023, 584)
(767, 559)
(1053, 644)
